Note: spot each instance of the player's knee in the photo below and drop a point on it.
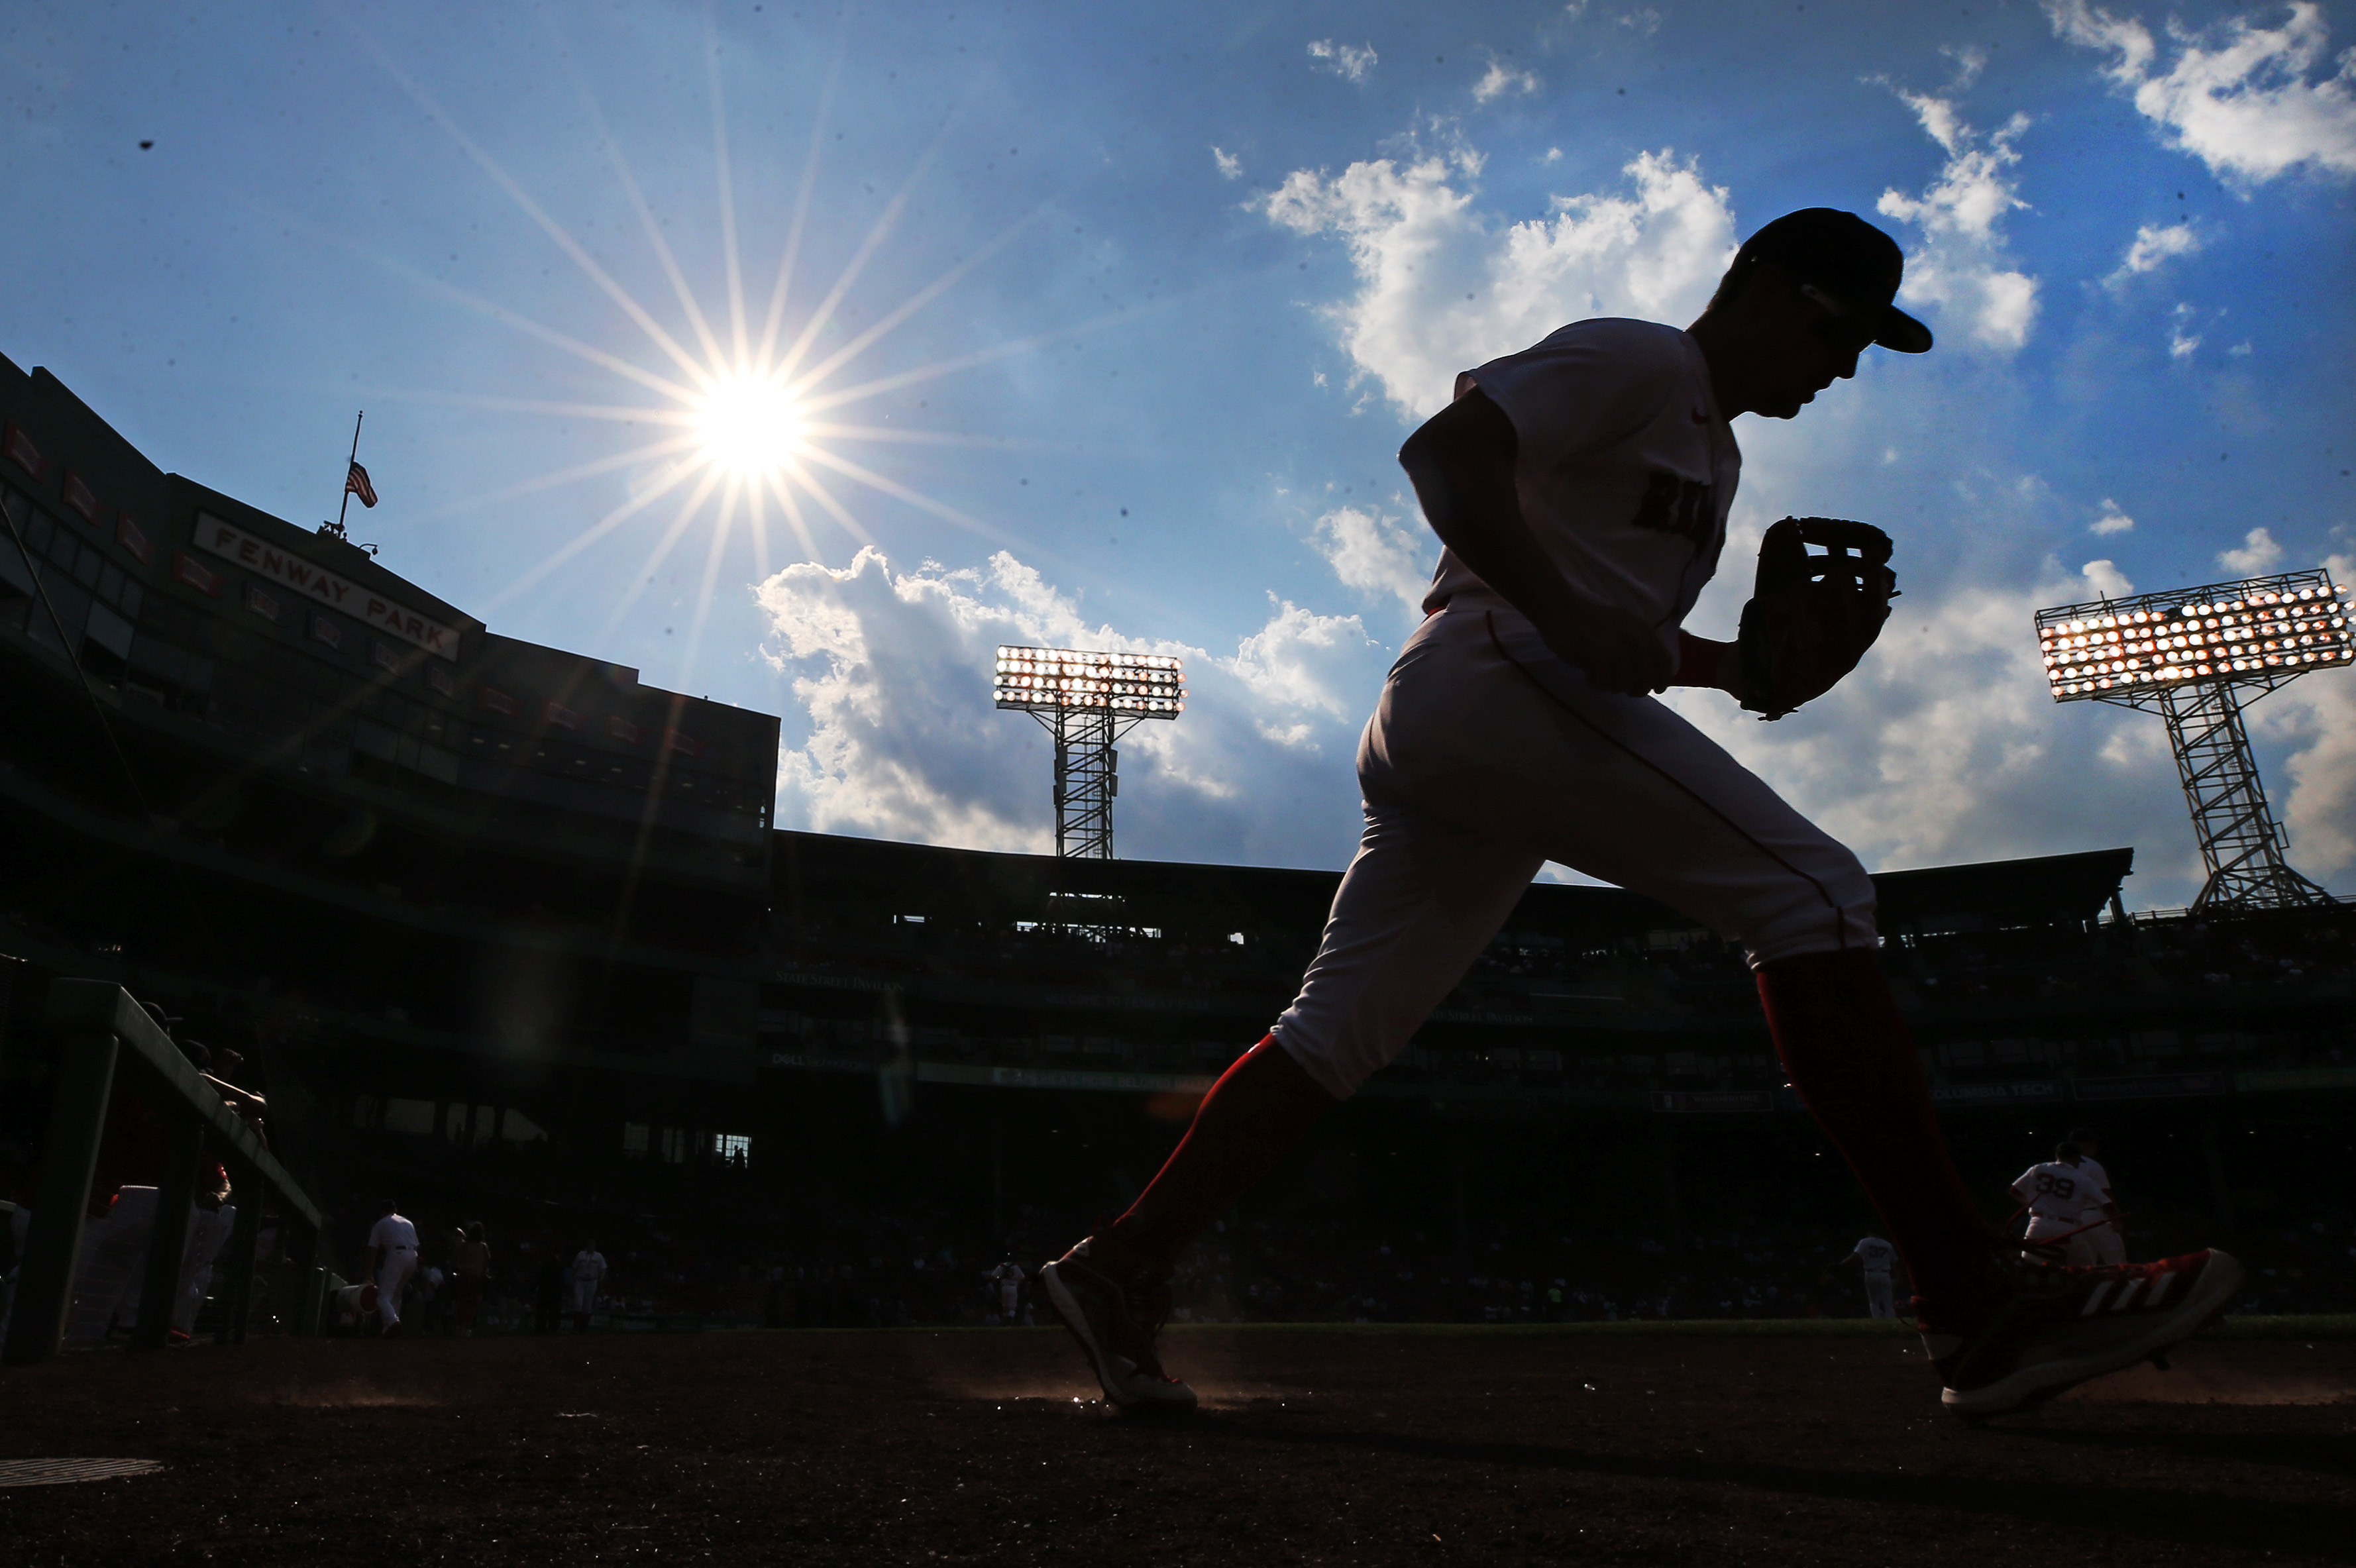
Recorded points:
(1826, 905)
(1337, 1066)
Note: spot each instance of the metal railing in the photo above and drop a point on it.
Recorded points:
(103, 1041)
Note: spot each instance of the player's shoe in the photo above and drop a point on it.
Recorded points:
(2050, 1327)
(1115, 1313)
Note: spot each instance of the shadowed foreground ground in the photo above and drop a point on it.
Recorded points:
(1365, 1445)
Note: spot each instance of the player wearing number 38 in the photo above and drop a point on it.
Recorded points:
(1581, 488)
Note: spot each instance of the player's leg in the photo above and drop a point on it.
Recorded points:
(113, 1250)
(1624, 789)
(1418, 902)
(1694, 830)
(391, 1275)
(2109, 1244)
(211, 1229)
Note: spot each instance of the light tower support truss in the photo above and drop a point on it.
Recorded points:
(1087, 701)
(2191, 656)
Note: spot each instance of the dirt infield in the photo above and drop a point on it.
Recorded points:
(1348, 1446)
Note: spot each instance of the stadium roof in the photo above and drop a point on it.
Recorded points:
(823, 879)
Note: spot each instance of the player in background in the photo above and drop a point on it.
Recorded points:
(588, 1271)
(1581, 489)
(2067, 1202)
(1875, 1256)
(391, 1259)
(2109, 1242)
(1006, 1283)
(471, 1264)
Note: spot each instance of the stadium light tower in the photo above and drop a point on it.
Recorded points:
(2189, 654)
(1087, 701)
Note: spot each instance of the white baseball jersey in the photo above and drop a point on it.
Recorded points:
(588, 1267)
(2096, 1176)
(392, 1232)
(1876, 1254)
(1008, 1277)
(2056, 1190)
(1624, 469)
(1489, 754)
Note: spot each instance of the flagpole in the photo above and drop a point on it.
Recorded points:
(355, 457)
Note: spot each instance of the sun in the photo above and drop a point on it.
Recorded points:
(749, 427)
(749, 410)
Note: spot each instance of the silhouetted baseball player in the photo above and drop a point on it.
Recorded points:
(1581, 488)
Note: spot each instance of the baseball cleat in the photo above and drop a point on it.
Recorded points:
(2052, 1328)
(1115, 1320)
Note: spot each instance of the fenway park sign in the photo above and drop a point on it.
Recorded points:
(324, 587)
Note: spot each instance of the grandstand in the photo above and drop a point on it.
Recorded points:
(511, 933)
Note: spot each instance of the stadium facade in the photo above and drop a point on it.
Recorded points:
(501, 918)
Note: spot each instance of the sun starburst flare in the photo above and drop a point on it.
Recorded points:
(744, 415)
(750, 429)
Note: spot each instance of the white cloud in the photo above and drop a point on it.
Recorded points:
(2106, 580)
(2153, 245)
(1351, 62)
(2320, 811)
(1644, 21)
(1230, 166)
(891, 676)
(1498, 81)
(1443, 286)
(2317, 719)
(1961, 264)
(2239, 97)
(1376, 555)
(2113, 520)
(1944, 746)
(2259, 553)
(2182, 341)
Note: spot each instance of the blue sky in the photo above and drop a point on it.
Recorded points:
(1180, 282)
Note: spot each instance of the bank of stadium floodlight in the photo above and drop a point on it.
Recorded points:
(1087, 701)
(2191, 654)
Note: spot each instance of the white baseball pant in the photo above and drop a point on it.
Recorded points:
(1488, 756)
(584, 1295)
(208, 1233)
(392, 1277)
(1881, 1300)
(2077, 1251)
(2107, 1243)
(108, 1269)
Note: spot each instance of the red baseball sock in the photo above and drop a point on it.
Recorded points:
(1260, 1107)
(1852, 1058)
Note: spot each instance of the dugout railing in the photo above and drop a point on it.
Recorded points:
(103, 1043)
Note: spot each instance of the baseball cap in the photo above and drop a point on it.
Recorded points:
(1847, 258)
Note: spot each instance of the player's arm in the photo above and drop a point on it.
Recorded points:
(1704, 662)
(1462, 464)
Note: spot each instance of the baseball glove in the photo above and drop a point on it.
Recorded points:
(1812, 617)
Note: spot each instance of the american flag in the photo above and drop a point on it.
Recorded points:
(356, 482)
